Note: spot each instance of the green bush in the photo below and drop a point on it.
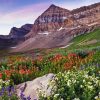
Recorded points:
(76, 85)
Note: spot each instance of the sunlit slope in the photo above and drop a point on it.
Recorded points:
(87, 40)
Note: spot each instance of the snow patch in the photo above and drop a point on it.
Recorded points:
(75, 27)
(45, 33)
(13, 47)
(93, 24)
(60, 29)
(64, 17)
(67, 45)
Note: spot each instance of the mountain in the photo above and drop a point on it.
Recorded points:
(20, 32)
(87, 15)
(15, 36)
(57, 26)
(51, 20)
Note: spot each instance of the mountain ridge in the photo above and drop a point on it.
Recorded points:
(15, 36)
(56, 26)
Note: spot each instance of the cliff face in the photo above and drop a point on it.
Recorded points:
(52, 18)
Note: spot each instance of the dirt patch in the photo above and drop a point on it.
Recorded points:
(89, 42)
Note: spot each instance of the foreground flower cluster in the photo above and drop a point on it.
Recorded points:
(76, 85)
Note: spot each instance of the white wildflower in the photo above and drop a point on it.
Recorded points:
(90, 87)
(76, 99)
(56, 95)
(89, 83)
(86, 76)
(0, 80)
(74, 81)
(96, 97)
(83, 81)
(81, 86)
(69, 82)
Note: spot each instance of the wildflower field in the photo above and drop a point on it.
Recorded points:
(77, 73)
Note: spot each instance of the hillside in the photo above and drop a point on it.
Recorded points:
(87, 41)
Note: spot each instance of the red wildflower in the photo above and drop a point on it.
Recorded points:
(40, 58)
(0, 75)
(22, 71)
(28, 71)
(7, 72)
(71, 55)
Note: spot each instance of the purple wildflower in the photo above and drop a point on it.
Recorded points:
(28, 98)
(22, 89)
(22, 95)
(1, 93)
(9, 94)
(12, 89)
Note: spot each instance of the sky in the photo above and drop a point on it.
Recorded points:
(15, 13)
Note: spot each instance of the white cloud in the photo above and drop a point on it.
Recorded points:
(20, 17)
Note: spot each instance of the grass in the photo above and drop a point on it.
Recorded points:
(79, 40)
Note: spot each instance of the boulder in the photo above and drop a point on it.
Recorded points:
(33, 88)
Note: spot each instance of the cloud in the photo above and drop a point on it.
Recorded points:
(23, 13)
(21, 16)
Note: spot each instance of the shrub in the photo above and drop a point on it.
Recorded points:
(80, 84)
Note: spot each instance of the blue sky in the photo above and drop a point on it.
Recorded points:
(19, 12)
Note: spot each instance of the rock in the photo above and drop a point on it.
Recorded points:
(32, 87)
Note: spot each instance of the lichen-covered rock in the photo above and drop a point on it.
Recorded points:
(33, 88)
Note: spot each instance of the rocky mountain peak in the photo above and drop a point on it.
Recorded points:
(53, 14)
(50, 20)
(52, 6)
